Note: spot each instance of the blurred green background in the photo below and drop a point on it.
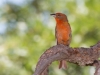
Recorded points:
(27, 30)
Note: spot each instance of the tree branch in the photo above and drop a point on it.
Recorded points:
(97, 65)
(81, 56)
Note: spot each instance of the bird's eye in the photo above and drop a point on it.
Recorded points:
(58, 15)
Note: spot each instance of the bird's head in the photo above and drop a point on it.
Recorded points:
(60, 17)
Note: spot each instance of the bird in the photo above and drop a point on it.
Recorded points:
(62, 33)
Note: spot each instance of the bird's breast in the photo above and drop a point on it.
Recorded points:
(63, 32)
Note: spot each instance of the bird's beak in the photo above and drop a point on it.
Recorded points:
(54, 15)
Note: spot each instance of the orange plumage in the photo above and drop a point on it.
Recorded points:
(62, 32)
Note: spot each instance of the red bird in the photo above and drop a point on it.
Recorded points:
(62, 33)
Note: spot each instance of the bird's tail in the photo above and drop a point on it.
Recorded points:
(62, 64)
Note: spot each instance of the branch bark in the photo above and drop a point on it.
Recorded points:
(80, 56)
(97, 65)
